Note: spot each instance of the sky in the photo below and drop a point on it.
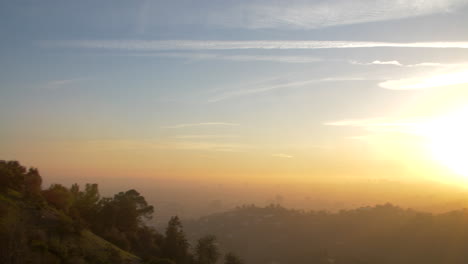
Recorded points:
(247, 91)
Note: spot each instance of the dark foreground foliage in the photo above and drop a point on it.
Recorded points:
(74, 225)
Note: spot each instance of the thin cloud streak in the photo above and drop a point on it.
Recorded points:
(320, 14)
(399, 64)
(382, 124)
(235, 58)
(267, 87)
(162, 45)
(208, 146)
(445, 74)
(291, 14)
(202, 124)
(244, 92)
(377, 62)
(205, 136)
(57, 84)
(455, 77)
(282, 155)
(120, 145)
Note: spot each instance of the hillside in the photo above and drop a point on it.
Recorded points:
(73, 226)
(34, 232)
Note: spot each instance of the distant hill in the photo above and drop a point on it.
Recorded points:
(379, 234)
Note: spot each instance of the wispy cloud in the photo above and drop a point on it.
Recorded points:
(261, 89)
(381, 124)
(282, 155)
(412, 129)
(442, 74)
(235, 58)
(291, 14)
(275, 84)
(208, 146)
(162, 45)
(381, 128)
(216, 136)
(377, 62)
(58, 84)
(202, 124)
(373, 123)
(148, 145)
(318, 14)
(431, 80)
(397, 63)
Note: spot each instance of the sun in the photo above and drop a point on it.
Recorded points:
(447, 140)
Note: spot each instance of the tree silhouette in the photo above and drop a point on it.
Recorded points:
(16, 177)
(231, 258)
(175, 244)
(206, 250)
(85, 203)
(58, 196)
(32, 183)
(126, 211)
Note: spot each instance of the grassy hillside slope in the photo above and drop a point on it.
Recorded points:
(33, 232)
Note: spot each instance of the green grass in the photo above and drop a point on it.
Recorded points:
(103, 249)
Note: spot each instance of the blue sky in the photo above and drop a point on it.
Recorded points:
(269, 80)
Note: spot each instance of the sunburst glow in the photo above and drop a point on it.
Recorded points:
(447, 138)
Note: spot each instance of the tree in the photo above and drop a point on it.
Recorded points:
(12, 176)
(175, 244)
(126, 212)
(230, 258)
(32, 183)
(58, 196)
(132, 209)
(16, 177)
(85, 203)
(145, 243)
(6, 175)
(206, 250)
